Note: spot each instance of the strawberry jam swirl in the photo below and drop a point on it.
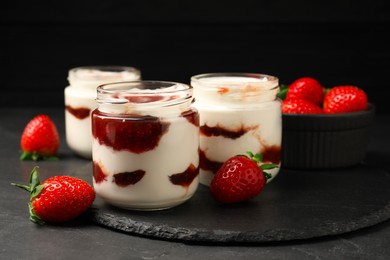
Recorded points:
(224, 132)
(125, 179)
(185, 178)
(136, 134)
(79, 113)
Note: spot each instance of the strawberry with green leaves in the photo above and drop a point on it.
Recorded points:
(58, 199)
(344, 99)
(40, 139)
(240, 178)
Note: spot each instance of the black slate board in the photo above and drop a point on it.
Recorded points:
(295, 205)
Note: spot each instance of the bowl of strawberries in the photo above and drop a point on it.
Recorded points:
(324, 128)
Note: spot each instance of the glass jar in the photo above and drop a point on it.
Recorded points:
(80, 101)
(145, 145)
(239, 112)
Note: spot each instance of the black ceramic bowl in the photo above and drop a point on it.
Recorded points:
(325, 141)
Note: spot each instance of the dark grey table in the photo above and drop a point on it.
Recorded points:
(82, 239)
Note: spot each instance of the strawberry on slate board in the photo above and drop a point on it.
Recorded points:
(58, 199)
(343, 99)
(40, 139)
(300, 106)
(240, 178)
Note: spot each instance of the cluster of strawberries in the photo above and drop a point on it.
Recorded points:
(304, 96)
(59, 198)
(307, 96)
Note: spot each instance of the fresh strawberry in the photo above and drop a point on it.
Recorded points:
(40, 139)
(343, 99)
(240, 178)
(306, 88)
(58, 199)
(300, 106)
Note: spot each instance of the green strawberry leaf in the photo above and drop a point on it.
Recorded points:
(255, 157)
(249, 154)
(35, 192)
(34, 178)
(267, 175)
(268, 166)
(25, 156)
(34, 217)
(282, 91)
(24, 187)
(35, 187)
(34, 156)
(326, 90)
(258, 157)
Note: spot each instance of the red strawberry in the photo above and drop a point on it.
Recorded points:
(343, 99)
(58, 199)
(306, 88)
(239, 179)
(300, 106)
(40, 139)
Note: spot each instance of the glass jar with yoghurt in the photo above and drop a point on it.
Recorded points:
(80, 101)
(145, 144)
(239, 112)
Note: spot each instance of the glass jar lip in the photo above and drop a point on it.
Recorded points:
(206, 78)
(119, 92)
(106, 68)
(103, 74)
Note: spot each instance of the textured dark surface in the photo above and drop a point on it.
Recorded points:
(296, 205)
(83, 239)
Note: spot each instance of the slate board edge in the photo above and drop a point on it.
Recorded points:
(166, 232)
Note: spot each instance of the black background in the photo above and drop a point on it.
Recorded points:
(337, 42)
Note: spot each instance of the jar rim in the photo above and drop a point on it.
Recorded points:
(203, 78)
(143, 92)
(107, 68)
(102, 74)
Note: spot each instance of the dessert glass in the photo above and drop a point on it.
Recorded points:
(80, 101)
(145, 145)
(239, 112)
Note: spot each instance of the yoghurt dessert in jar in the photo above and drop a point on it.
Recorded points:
(145, 145)
(239, 112)
(80, 101)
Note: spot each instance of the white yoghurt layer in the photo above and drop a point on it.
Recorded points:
(176, 150)
(234, 103)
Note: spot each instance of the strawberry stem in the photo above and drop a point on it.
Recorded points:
(34, 188)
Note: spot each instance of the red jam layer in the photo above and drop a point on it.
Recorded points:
(220, 131)
(185, 178)
(271, 154)
(98, 174)
(125, 179)
(207, 164)
(192, 116)
(80, 113)
(133, 133)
